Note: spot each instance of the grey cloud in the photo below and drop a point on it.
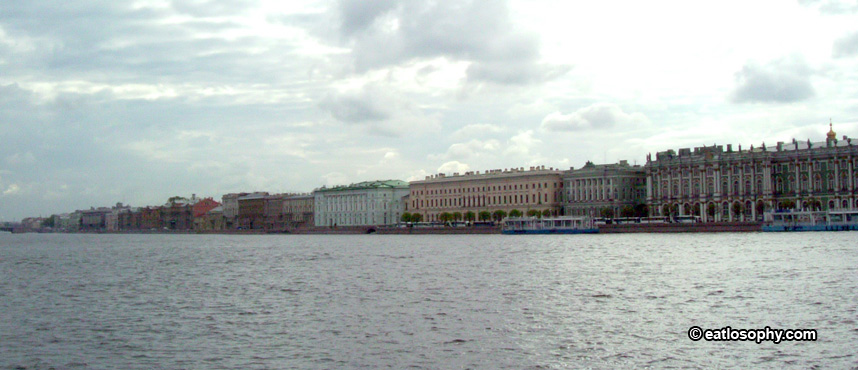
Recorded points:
(359, 15)
(203, 8)
(782, 81)
(832, 7)
(356, 107)
(111, 41)
(477, 31)
(846, 46)
(596, 116)
(380, 110)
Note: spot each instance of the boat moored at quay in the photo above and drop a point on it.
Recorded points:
(811, 221)
(550, 225)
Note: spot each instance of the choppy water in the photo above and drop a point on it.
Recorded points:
(423, 302)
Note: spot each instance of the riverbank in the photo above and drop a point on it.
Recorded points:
(713, 227)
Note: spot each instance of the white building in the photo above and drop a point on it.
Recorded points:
(365, 203)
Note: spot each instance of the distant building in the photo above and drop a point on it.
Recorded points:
(298, 210)
(230, 209)
(364, 203)
(537, 189)
(251, 211)
(94, 219)
(740, 185)
(272, 210)
(605, 190)
(201, 208)
(212, 220)
(111, 219)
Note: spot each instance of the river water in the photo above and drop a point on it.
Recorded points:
(424, 301)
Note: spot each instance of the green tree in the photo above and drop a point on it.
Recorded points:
(499, 215)
(445, 217)
(416, 217)
(470, 216)
(546, 213)
(607, 212)
(641, 210)
(50, 221)
(532, 213)
(406, 217)
(627, 211)
(457, 216)
(485, 215)
(515, 213)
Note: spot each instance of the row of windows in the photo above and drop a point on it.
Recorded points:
(480, 201)
(484, 188)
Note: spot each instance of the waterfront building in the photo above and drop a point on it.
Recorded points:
(298, 210)
(740, 185)
(272, 210)
(94, 219)
(538, 189)
(230, 209)
(111, 219)
(211, 220)
(605, 190)
(251, 211)
(364, 203)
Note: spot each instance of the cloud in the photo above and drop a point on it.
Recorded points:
(476, 130)
(379, 109)
(12, 189)
(596, 116)
(846, 46)
(832, 7)
(473, 148)
(782, 81)
(481, 32)
(453, 167)
(521, 145)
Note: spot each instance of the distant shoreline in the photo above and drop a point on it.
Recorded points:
(385, 230)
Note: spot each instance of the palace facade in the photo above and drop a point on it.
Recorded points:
(537, 189)
(605, 190)
(362, 204)
(740, 185)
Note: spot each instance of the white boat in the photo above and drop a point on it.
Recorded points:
(549, 225)
(811, 221)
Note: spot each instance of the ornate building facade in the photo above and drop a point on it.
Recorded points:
(361, 204)
(298, 210)
(605, 190)
(740, 185)
(537, 189)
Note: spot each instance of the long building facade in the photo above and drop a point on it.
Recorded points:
(362, 204)
(715, 184)
(605, 190)
(537, 189)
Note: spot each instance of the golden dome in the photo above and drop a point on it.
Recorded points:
(831, 134)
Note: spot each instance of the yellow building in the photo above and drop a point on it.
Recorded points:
(537, 188)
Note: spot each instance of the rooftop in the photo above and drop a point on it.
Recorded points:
(476, 175)
(377, 184)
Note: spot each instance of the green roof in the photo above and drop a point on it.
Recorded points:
(377, 184)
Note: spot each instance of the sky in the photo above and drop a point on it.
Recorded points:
(105, 101)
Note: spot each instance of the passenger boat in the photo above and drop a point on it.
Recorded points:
(811, 221)
(549, 225)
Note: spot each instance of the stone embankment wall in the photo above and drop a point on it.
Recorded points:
(682, 227)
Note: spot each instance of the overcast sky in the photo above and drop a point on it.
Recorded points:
(105, 101)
